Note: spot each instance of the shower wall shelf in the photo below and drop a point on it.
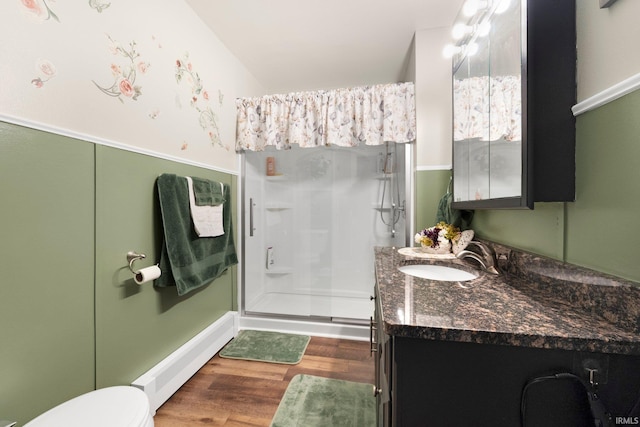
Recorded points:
(279, 270)
(278, 206)
(378, 208)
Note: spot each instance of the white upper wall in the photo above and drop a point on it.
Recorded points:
(433, 99)
(132, 74)
(608, 51)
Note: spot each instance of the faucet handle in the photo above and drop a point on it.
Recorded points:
(486, 250)
(489, 255)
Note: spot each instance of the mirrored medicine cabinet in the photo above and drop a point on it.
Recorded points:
(513, 88)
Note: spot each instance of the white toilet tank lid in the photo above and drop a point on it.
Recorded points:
(118, 406)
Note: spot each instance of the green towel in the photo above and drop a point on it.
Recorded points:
(188, 261)
(206, 192)
(459, 218)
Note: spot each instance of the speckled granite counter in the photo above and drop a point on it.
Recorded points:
(538, 303)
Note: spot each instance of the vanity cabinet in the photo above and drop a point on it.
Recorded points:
(466, 353)
(443, 383)
(440, 383)
(513, 89)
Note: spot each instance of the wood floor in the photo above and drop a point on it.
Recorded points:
(227, 392)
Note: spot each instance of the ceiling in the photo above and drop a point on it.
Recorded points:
(298, 45)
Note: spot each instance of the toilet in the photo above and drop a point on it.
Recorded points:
(118, 406)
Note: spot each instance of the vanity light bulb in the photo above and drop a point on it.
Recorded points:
(483, 29)
(503, 6)
(472, 49)
(459, 31)
(450, 50)
(470, 7)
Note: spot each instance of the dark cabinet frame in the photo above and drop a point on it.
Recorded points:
(548, 61)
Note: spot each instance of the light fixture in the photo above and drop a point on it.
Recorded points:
(479, 26)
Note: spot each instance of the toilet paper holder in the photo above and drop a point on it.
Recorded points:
(133, 257)
(142, 275)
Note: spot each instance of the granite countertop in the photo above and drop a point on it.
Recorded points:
(537, 302)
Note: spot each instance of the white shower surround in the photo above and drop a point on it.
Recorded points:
(321, 216)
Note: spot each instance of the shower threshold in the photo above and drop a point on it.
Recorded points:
(335, 308)
(352, 329)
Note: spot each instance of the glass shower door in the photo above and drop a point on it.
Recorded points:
(315, 220)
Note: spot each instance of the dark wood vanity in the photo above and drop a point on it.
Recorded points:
(461, 353)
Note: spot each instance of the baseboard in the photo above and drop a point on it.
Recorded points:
(164, 379)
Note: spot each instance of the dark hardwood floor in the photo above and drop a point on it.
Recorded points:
(227, 392)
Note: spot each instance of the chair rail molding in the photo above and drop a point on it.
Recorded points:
(610, 94)
(32, 124)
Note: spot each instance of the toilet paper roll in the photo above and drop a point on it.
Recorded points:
(147, 274)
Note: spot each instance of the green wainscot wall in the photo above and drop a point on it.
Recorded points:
(72, 318)
(47, 267)
(139, 325)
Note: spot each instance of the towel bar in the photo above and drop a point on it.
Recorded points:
(133, 257)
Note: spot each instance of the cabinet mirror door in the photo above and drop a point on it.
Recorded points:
(461, 121)
(505, 162)
(487, 112)
(471, 125)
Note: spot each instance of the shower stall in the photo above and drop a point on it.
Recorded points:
(326, 177)
(311, 218)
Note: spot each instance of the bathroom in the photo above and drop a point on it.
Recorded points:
(78, 168)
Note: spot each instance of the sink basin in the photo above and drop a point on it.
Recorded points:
(437, 272)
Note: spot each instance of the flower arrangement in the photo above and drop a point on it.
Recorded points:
(438, 239)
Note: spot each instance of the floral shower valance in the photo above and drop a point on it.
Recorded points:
(343, 117)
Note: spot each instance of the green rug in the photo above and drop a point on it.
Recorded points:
(263, 346)
(312, 401)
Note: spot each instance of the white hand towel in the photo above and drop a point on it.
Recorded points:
(207, 220)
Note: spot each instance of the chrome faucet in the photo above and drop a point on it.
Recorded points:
(486, 258)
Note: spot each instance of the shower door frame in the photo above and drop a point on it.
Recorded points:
(409, 179)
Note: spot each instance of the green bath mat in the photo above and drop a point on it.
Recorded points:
(312, 401)
(263, 346)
